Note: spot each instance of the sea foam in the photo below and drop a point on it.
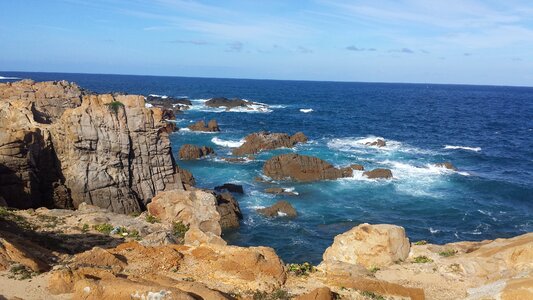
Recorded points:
(306, 110)
(227, 143)
(452, 147)
(8, 78)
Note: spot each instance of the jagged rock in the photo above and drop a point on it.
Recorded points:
(187, 178)
(191, 152)
(229, 210)
(377, 143)
(323, 293)
(279, 209)
(212, 126)
(301, 168)
(196, 209)
(369, 245)
(378, 174)
(257, 142)
(227, 103)
(280, 191)
(62, 146)
(230, 187)
(448, 165)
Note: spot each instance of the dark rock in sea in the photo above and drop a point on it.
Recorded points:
(167, 102)
(191, 152)
(357, 167)
(212, 126)
(227, 103)
(187, 178)
(280, 191)
(257, 142)
(377, 143)
(301, 168)
(279, 209)
(229, 210)
(378, 174)
(448, 165)
(230, 187)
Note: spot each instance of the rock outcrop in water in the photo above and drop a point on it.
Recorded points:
(260, 141)
(212, 126)
(61, 146)
(448, 165)
(191, 152)
(229, 210)
(302, 168)
(377, 143)
(378, 174)
(279, 209)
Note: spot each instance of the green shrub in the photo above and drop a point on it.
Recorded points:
(85, 228)
(103, 228)
(422, 259)
(448, 253)
(179, 229)
(372, 295)
(374, 270)
(151, 219)
(421, 242)
(20, 272)
(114, 106)
(301, 269)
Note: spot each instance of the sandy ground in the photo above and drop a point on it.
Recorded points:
(31, 289)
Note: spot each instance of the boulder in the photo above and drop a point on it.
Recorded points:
(227, 103)
(212, 126)
(196, 209)
(301, 168)
(260, 141)
(323, 293)
(368, 245)
(192, 152)
(280, 191)
(230, 187)
(229, 210)
(448, 165)
(378, 174)
(279, 209)
(377, 143)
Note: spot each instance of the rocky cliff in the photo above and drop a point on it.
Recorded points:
(61, 146)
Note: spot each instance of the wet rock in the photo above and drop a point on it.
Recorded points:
(279, 209)
(260, 141)
(227, 103)
(229, 210)
(301, 168)
(280, 191)
(377, 143)
(192, 152)
(230, 187)
(378, 174)
(212, 126)
(448, 165)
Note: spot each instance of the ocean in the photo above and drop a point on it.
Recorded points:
(485, 131)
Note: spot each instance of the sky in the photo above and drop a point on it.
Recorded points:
(423, 41)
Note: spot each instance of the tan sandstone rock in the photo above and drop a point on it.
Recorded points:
(212, 126)
(257, 142)
(378, 174)
(191, 152)
(301, 168)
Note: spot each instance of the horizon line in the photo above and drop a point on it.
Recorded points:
(271, 79)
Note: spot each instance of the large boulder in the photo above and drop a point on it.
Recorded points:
(196, 209)
(301, 168)
(211, 126)
(61, 146)
(368, 245)
(279, 209)
(229, 210)
(257, 142)
(191, 152)
(378, 174)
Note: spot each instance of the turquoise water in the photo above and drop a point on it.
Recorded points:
(486, 132)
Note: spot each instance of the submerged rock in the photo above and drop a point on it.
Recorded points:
(230, 187)
(448, 165)
(260, 141)
(191, 152)
(280, 191)
(279, 209)
(378, 174)
(301, 168)
(212, 126)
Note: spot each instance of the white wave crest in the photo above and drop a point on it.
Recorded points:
(452, 147)
(306, 110)
(185, 129)
(8, 78)
(158, 96)
(227, 143)
(148, 105)
(253, 107)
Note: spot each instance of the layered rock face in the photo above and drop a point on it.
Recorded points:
(60, 147)
(257, 142)
(302, 168)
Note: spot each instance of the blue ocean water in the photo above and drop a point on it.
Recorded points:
(485, 131)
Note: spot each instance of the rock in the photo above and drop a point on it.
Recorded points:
(191, 152)
(323, 293)
(3, 201)
(230, 187)
(377, 143)
(301, 168)
(357, 167)
(260, 141)
(280, 191)
(369, 245)
(448, 165)
(13, 251)
(229, 210)
(378, 174)
(279, 209)
(196, 209)
(227, 103)
(62, 146)
(187, 178)
(212, 126)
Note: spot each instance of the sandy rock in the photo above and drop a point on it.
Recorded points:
(369, 245)
(448, 165)
(191, 152)
(229, 210)
(260, 141)
(378, 174)
(323, 293)
(17, 252)
(279, 209)
(230, 187)
(212, 126)
(195, 208)
(300, 168)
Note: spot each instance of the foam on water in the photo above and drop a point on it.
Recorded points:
(254, 107)
(451, 147)
(158, 96)
(359, 145)
(306, 110)
(148, 105)
(227, 143)
(8, 78)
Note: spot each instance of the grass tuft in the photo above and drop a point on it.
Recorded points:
(422, 259)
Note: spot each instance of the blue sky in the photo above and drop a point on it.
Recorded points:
(453, 41)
